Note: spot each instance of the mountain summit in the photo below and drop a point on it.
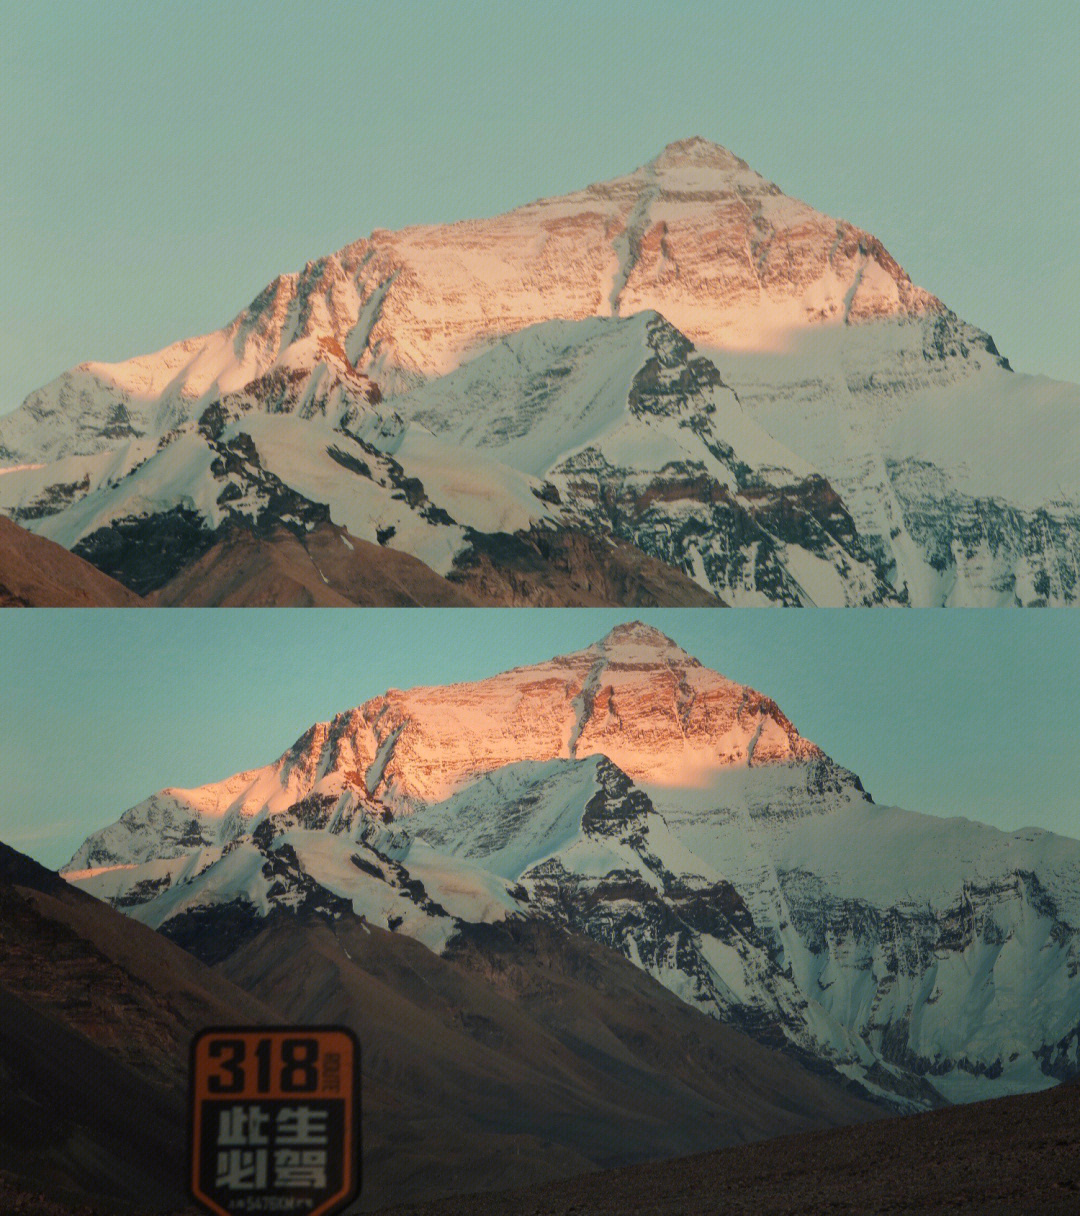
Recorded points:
(694, 234)
(647, 640)
(697, 151)
(634, 697)
(627, 793)
(677, 386)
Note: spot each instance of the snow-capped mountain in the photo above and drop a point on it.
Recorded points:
(630, 794)
(684, 360)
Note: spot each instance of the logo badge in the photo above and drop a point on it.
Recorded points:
(275, 1120)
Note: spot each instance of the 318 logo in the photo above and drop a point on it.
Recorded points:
(275, 1120)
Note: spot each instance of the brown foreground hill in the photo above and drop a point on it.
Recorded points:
(505, 1076)
(1017, 1156)
(96, 1013)
(327, 567)
(37, 573)
(525, 1053)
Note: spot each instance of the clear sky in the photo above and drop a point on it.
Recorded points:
(971, 713)
(161, 162)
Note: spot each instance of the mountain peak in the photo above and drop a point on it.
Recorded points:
(637, 637)
(697, 152)
(634, 697)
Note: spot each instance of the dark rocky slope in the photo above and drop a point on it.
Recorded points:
(996, 1158)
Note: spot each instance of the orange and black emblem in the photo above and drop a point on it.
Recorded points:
(275, 1120)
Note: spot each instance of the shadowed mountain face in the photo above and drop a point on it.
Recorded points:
(78, 1126)
(626, 794)
(96, 1014)
(522, 1055)
(111, 979)
(682, 361)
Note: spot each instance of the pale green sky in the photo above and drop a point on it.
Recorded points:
(954, 713)
(160, 162)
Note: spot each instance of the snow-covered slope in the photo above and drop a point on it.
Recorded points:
(967, 472)
(633, 433)
(614, 428)
(631, 794)
(684, 358)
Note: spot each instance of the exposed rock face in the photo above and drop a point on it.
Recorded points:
(564, 568)
(696, 235)
(627, 793)
(683, 358)
(704, 508)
